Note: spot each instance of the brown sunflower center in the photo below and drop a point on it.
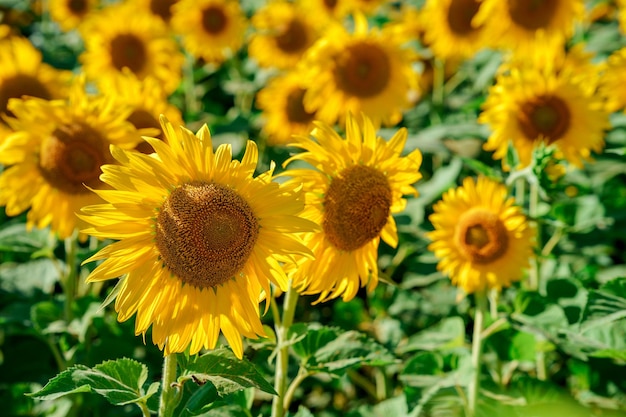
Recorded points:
(295, 110)
(460, 15)
(533, 14)
(205, 233)
(143, 119)
(481, 236)
(162, 8)
(71, 158)
(356, 207)
(330, 4)
(544, 116)
(21, 85)
(77, 7)
(129, 51)
(214, 20)
(363, 70)
(294, 38)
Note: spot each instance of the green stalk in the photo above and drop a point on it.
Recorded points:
(282, 359)
(477, 351)
(533, 208)
(167, 402)
(69, 284)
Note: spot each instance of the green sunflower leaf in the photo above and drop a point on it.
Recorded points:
(120, 381)
(332, 350)
(228, 374)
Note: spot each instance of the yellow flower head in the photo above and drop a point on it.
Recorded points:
(160, 8)
(55, 154)
(200, 239)
(355, 186)
(613, 81)
(211, 29)
(326, 11)
(481, 238)
(368, 71)
(283, 32)
(121, 36)
(69, 14)
(530, 105)
(283, 109)
(529, 27)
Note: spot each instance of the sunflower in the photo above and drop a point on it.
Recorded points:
(368, 71)
(481, 238)
(283, 109)
(283, 34)
(448, 28)
(200, 239)
(530, 106)
(612, 83)
(529, 27)
(23, 74)
(356, 186)
(326, 11)
(70, 13)
(55, 154)
(211, 29)
(159, 8)
(121, 36)
(147, 100)
(368, 7)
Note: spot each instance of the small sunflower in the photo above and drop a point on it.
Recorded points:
(283, 32)
(55, 154)
(529, 106)
(283, 108)
(211, 29)
(159, 8)
(613, 81)
(367, 7)
(200, 239)
(326, 11)
(356, 186)
(368, 71)
(481, 238)
(121, 36)
(147, 100)
(22, 73)
(448, 28)
(529, 27)
(70, 13)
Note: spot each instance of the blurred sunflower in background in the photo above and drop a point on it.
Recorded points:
(483, 241)
(282, 104)
(148, 102)
(355, 186)
(369, 71)
(325, 11)
(160, 8)
(531, 106)
(613, 81)
(70, 13)
(212, 30)
(448, 28)
(283, 32)
(367, 7)
(55, 154)
(200, 239)
(121, 36)
(529, 27)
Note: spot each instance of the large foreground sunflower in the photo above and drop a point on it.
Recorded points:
(211, 29)
(481, 238)
(283, 109)
(22, 73)
(283, 32)
(448, 28)
(529, 106)
(368, 71)
(356, 185)
(121, 36)
(529, 27)
(55, 154)
(200, 239)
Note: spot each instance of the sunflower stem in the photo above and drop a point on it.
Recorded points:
(533, 207)
(69, 285)
(438, 88)
(167, 402)
(191, 103)
(477, 351)
(282, 360)
(302, 375)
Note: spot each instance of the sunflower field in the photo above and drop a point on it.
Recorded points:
(329, 208)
